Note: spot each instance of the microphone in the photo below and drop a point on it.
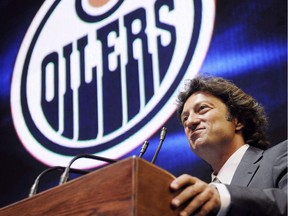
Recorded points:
(143, 149)
(162, 137)
(64, 177)
(34, 187)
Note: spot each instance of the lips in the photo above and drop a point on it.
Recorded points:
(195, 133)
(197, 129)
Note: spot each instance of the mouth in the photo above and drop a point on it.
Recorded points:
(196, 133)
(197, 129)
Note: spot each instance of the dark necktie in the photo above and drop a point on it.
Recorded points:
(216, 180)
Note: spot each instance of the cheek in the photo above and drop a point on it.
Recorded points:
(225, 129)
(221, 125)
(186, 130)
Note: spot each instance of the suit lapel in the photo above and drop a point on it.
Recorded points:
(247, 167)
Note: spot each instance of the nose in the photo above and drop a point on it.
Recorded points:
(192, 121)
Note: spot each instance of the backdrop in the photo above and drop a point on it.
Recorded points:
(246, 44)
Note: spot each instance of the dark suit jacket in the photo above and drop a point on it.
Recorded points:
(259, 185)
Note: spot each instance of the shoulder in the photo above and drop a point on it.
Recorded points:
(277, 152)
(280, 148)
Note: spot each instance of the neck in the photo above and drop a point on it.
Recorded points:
(218, 156)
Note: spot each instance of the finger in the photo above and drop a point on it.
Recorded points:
(196, 204)
(189, 193)
(212, 206)
(181, 181)
(204, 202)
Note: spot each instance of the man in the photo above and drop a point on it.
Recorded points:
(227, 129)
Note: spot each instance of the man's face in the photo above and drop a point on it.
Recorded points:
(204, 118)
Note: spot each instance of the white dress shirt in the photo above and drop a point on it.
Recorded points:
(225, 176)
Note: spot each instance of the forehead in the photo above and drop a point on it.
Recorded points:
(202, 97)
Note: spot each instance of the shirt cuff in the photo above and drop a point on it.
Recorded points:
(225, 198)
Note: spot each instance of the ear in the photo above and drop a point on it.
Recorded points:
(238, 125)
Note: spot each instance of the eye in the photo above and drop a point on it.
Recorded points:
(184, 119)
(203, 108)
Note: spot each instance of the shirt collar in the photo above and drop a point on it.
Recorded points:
(227, 171)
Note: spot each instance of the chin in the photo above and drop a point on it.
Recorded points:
(196, 145)
(200, 146)
(198, 141)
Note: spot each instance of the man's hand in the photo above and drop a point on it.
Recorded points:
(196, 197)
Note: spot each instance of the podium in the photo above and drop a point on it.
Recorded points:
(131, 187)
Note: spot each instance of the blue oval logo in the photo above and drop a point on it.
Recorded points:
(102, 78)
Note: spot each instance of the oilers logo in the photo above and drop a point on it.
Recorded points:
(99, 77)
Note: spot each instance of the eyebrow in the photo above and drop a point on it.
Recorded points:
(183, 114)
(197, 104)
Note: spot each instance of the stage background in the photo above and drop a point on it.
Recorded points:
(248, 46)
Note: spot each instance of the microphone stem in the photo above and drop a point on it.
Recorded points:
(157, 152)
(64, 177)
(143, 149)
(34, 187)
(162, 137)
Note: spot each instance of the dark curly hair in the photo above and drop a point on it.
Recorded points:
(239, 104)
